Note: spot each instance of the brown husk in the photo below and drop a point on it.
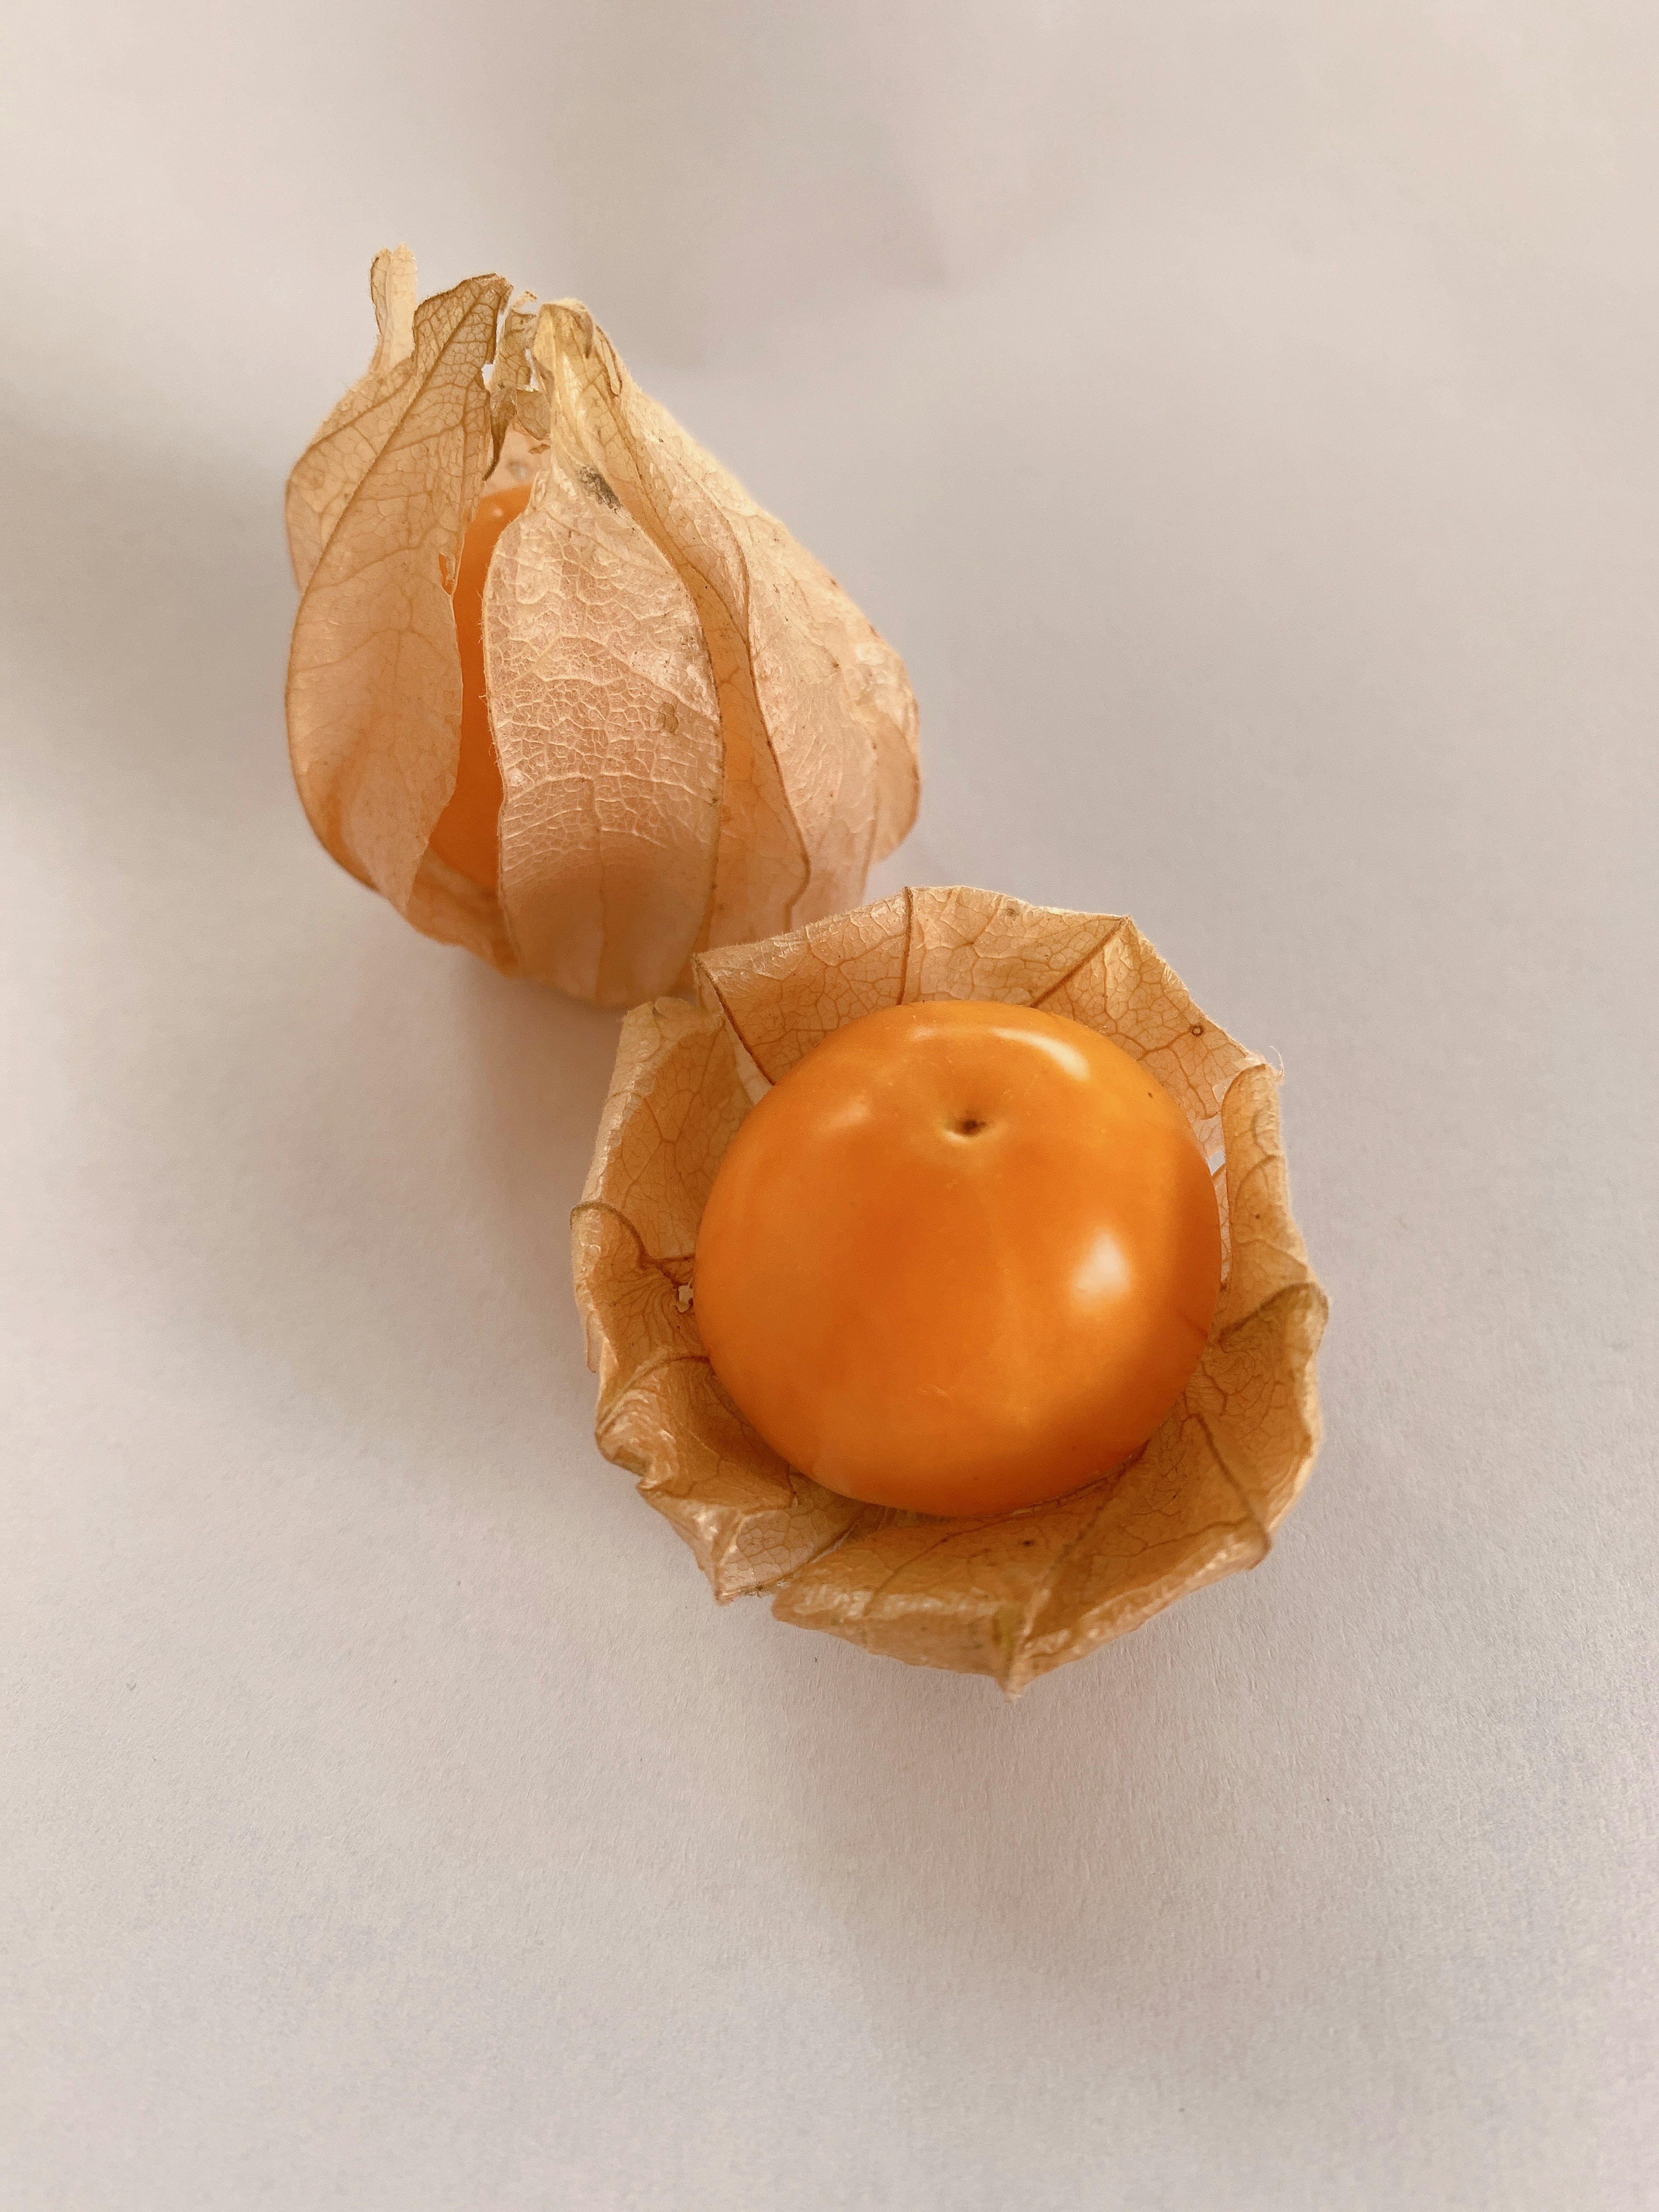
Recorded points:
(1018, 1594)
(701, 738)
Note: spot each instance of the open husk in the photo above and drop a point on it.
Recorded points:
(701, 739)
(1018, 1594)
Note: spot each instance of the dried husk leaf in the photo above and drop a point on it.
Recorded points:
(797, 669)
(608, 732)
(701, 738)
(1015, 1595)
(377, 509)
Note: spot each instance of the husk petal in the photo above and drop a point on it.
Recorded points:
(1017, 1596)
(798, 672)
(607, 730)
(345, 447)
(374, 682)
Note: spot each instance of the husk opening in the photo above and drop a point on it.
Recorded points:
(1019, 1594)
(701, 740)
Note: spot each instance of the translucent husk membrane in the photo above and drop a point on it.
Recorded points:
(1018, 1594)
(699, 738)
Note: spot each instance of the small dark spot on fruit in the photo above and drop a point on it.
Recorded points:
(1198, 1029)
(970, 1126)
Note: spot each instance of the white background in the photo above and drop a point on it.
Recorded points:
(1242, 417)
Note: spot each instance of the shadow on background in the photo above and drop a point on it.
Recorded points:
(296, 1111)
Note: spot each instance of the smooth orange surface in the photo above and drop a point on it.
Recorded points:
(467, 831)
(962, 1259)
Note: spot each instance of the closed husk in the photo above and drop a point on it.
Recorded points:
(701, 739)
(1018, 1594)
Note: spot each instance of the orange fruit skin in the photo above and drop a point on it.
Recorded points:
(962, 1259)
(467, 833)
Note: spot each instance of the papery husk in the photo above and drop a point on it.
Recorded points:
(701, 740)
(1015, 1595)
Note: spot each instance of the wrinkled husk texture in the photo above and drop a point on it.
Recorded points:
(1018, 1594)
(701, 740)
